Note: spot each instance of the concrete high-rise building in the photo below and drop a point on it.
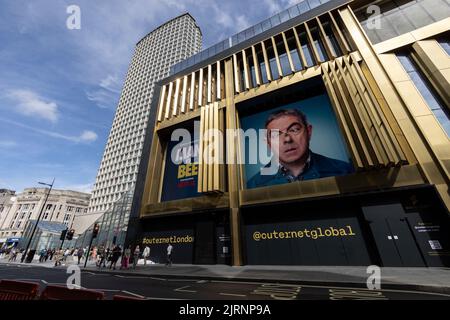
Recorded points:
(170, 43)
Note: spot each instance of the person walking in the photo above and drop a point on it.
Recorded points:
(146, 254)
(126, 258)
(52, 253)
(169, 255)
(116, 253)
(136, 254)
(80, 253)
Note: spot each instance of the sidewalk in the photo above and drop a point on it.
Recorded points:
(424, 279)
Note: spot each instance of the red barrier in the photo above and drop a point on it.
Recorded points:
(119, 297)
(18, 290)
(52, 292)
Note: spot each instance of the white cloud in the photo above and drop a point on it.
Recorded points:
(87, 188)
(107, 95)
(111, 83)
(88, 136)
(7, 143)
(30, 103)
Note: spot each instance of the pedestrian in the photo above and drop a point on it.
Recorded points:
(126, 258)
(42, 255)
(94, 253)
(137, 253)
(106, 258)
(169, 255)
(116, 253)
(146, 254)
(66, 254)
(80, 253)
(52, 253)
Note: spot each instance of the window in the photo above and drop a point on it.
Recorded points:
(426, 90)
(445, 44)
(401, 16)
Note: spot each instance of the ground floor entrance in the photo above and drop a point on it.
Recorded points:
(201, 238)
(401, 228)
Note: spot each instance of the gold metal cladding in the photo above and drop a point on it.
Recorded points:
(266, 62)
(325, 40)
(200, 88)
(232, 167)
(393, 177)
(426, 32)
(360, 116)
(237, 85)
(201, 203)
(435, 62)
(218, 81)
(177, 95)
(386, 84)
(169, 99)
(288, 52)
(161, 103)
(277, 58)
(339, 35)
(343, 123)
(256, 66)
(215, 171)
(183, 95)
(312, 45)
(300, 49)
(246, 71)
(380, 120)
(192, 93)
(200, 150)
(209, 93)
(210, 153)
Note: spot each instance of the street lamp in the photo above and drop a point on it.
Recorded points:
(39, 217)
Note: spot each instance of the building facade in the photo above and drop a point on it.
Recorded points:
(168, 44)
(319, 136)
(62, 207)
(6, 201)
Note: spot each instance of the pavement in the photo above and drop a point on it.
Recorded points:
(435, 280)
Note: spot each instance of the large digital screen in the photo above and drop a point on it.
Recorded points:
(181, 164)
(302, 141)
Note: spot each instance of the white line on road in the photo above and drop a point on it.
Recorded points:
(161, 279)
(134, 294)
(232, 294)
(182, 280)
(182, 289)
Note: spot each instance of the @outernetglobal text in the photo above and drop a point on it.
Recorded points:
(314, 233)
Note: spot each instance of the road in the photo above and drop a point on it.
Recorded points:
(166, 288)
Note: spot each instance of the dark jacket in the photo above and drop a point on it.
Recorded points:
(319, 167)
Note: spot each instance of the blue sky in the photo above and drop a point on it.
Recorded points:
(59, 88)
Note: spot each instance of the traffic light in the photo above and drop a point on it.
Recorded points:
(63, 234)
(95, 231)
(70, 234)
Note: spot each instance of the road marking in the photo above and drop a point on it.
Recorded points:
(131, 277)
(202, 281)
(161, 279)
(182, 280)
(134, 294)
(43, 281)
(232, 294)
(181, 289)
